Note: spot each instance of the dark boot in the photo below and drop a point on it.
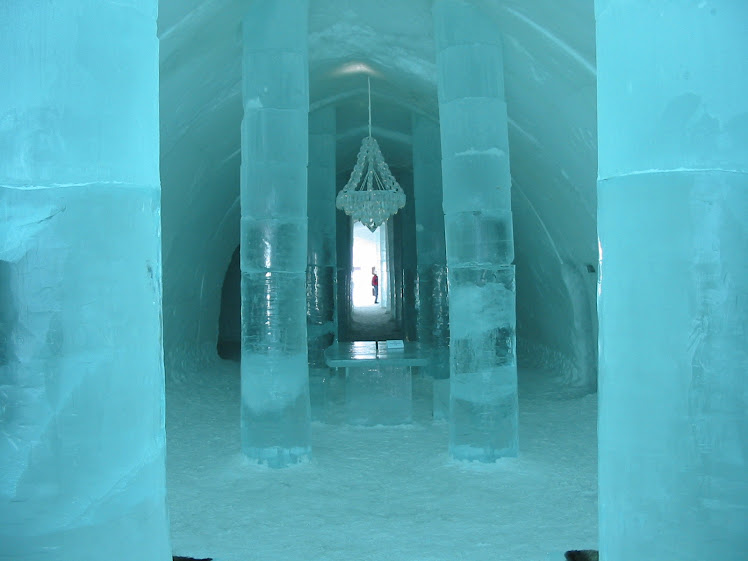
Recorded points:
(581, 555)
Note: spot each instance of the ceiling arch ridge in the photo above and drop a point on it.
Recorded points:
(563, 46)
(233, 93)
(232, 211)
(190, 20)
(394, 100)
(193, 20)
(516, 187)
(359, 132)
(344, 40)
(231, 156)
(534, 141)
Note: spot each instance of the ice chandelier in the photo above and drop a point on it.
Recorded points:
(372, 194)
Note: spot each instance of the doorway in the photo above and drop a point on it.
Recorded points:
(370, 253)
(372, 321)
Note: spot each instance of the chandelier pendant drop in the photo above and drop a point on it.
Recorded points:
(372, 194)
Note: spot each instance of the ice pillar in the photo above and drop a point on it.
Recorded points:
(478, 225)
(275, 386)
(321, 245)
(320, 271)
(81, 367)
(431, 299)
(673, 292)
(344, 264)
(405, 234)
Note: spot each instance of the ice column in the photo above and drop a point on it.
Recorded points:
(407, 248)
(275, 385)
(478, 225)
(673, 292)
(344, 264)
(81, 367)
(321, 245)
(320, 280)
(431, 301)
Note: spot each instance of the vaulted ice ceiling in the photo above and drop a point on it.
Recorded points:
(549, 58)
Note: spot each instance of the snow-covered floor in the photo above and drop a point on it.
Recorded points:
(380, 493)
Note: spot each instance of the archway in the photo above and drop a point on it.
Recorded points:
(230, 318)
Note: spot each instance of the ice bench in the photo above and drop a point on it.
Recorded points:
(378, 383)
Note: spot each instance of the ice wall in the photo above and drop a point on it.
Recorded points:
(275, 374)
(549, 65)
(673, 202)
(201, 107)
(81, 369)
(478, 232)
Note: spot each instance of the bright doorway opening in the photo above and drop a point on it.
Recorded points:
(369, 251)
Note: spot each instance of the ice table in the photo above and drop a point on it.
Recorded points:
(378, 384)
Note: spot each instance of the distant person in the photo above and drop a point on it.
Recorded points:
(375, 285)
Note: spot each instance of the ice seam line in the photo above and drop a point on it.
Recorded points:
(674, 170)
(28, 187)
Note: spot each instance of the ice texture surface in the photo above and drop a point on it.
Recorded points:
(432, 304)
(478, 231)
(483, 364)
(673, 312)
(579, 281)
(275, 409)
(320, 255)
(690, 422)
(380, 395)
(81, 370)
(82, 377)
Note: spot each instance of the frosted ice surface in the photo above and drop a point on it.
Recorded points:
(478, 78)
(487, 171)
(482, 237)
(274, 313)
(19, 226)
(479, 233)
(273, 245)
(471, 135)
(695, 117)
(275, 135)
(579, 285)
(321, 244)
(275, 394)
(71, 462)
(688, 359)
(480, 301)
(271, 381)
(672, 208)
(277, 180)
(440, 400)
(81, 369)
(379, 396)
(275, 386)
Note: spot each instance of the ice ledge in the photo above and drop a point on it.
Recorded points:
(488, 152)
(34, 187)
(673, 170)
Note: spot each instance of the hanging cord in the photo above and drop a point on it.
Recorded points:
(368, 81)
